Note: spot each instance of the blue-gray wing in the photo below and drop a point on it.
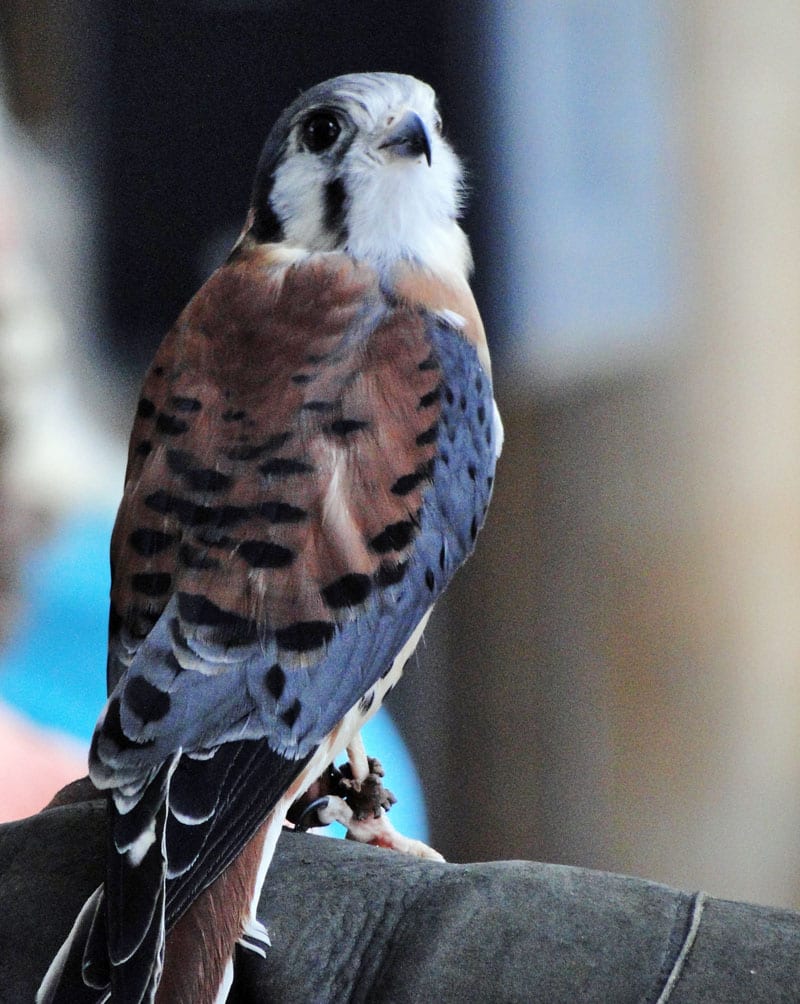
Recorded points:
(294, 507)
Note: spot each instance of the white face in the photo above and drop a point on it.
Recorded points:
(344, 179)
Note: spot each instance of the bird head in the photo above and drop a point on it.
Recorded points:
(359, 164)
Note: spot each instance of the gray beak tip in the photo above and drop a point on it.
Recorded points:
(409, 138)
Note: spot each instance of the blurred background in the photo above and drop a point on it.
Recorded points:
(614, 680)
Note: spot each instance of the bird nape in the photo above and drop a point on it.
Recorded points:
(311, 460)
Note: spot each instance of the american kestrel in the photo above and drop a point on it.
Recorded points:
(311, 460)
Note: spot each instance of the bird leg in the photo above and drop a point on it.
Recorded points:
(355, 797)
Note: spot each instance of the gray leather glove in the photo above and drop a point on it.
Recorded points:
(351, 923)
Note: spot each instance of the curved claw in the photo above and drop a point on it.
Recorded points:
(309, 817)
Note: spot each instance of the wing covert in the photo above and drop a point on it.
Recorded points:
(248, 553)
(299, 567)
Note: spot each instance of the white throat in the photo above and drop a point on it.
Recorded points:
(399, 212)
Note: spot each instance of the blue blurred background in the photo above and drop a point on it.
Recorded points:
(614, 680)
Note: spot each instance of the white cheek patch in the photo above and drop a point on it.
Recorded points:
(296, 199)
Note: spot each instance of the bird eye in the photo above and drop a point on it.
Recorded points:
(320, 131)
(437, 125)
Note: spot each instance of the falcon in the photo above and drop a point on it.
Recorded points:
(311, 460)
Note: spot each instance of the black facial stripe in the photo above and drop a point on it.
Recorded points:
(335, 199)
(266, 227)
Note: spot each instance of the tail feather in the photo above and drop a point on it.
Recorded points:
(162, 859)
(136, 896)
(134, 815)
(136, 980)
(104, 954)
(96, 970)
(63, 982)
(116, 946)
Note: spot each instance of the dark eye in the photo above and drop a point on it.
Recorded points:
(437, 125)
(320, 131)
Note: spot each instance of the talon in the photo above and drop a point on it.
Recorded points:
(390, 799)
(325, 785)
(375, 766)
(309, 817)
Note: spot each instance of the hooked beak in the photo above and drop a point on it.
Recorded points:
(408, 138)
